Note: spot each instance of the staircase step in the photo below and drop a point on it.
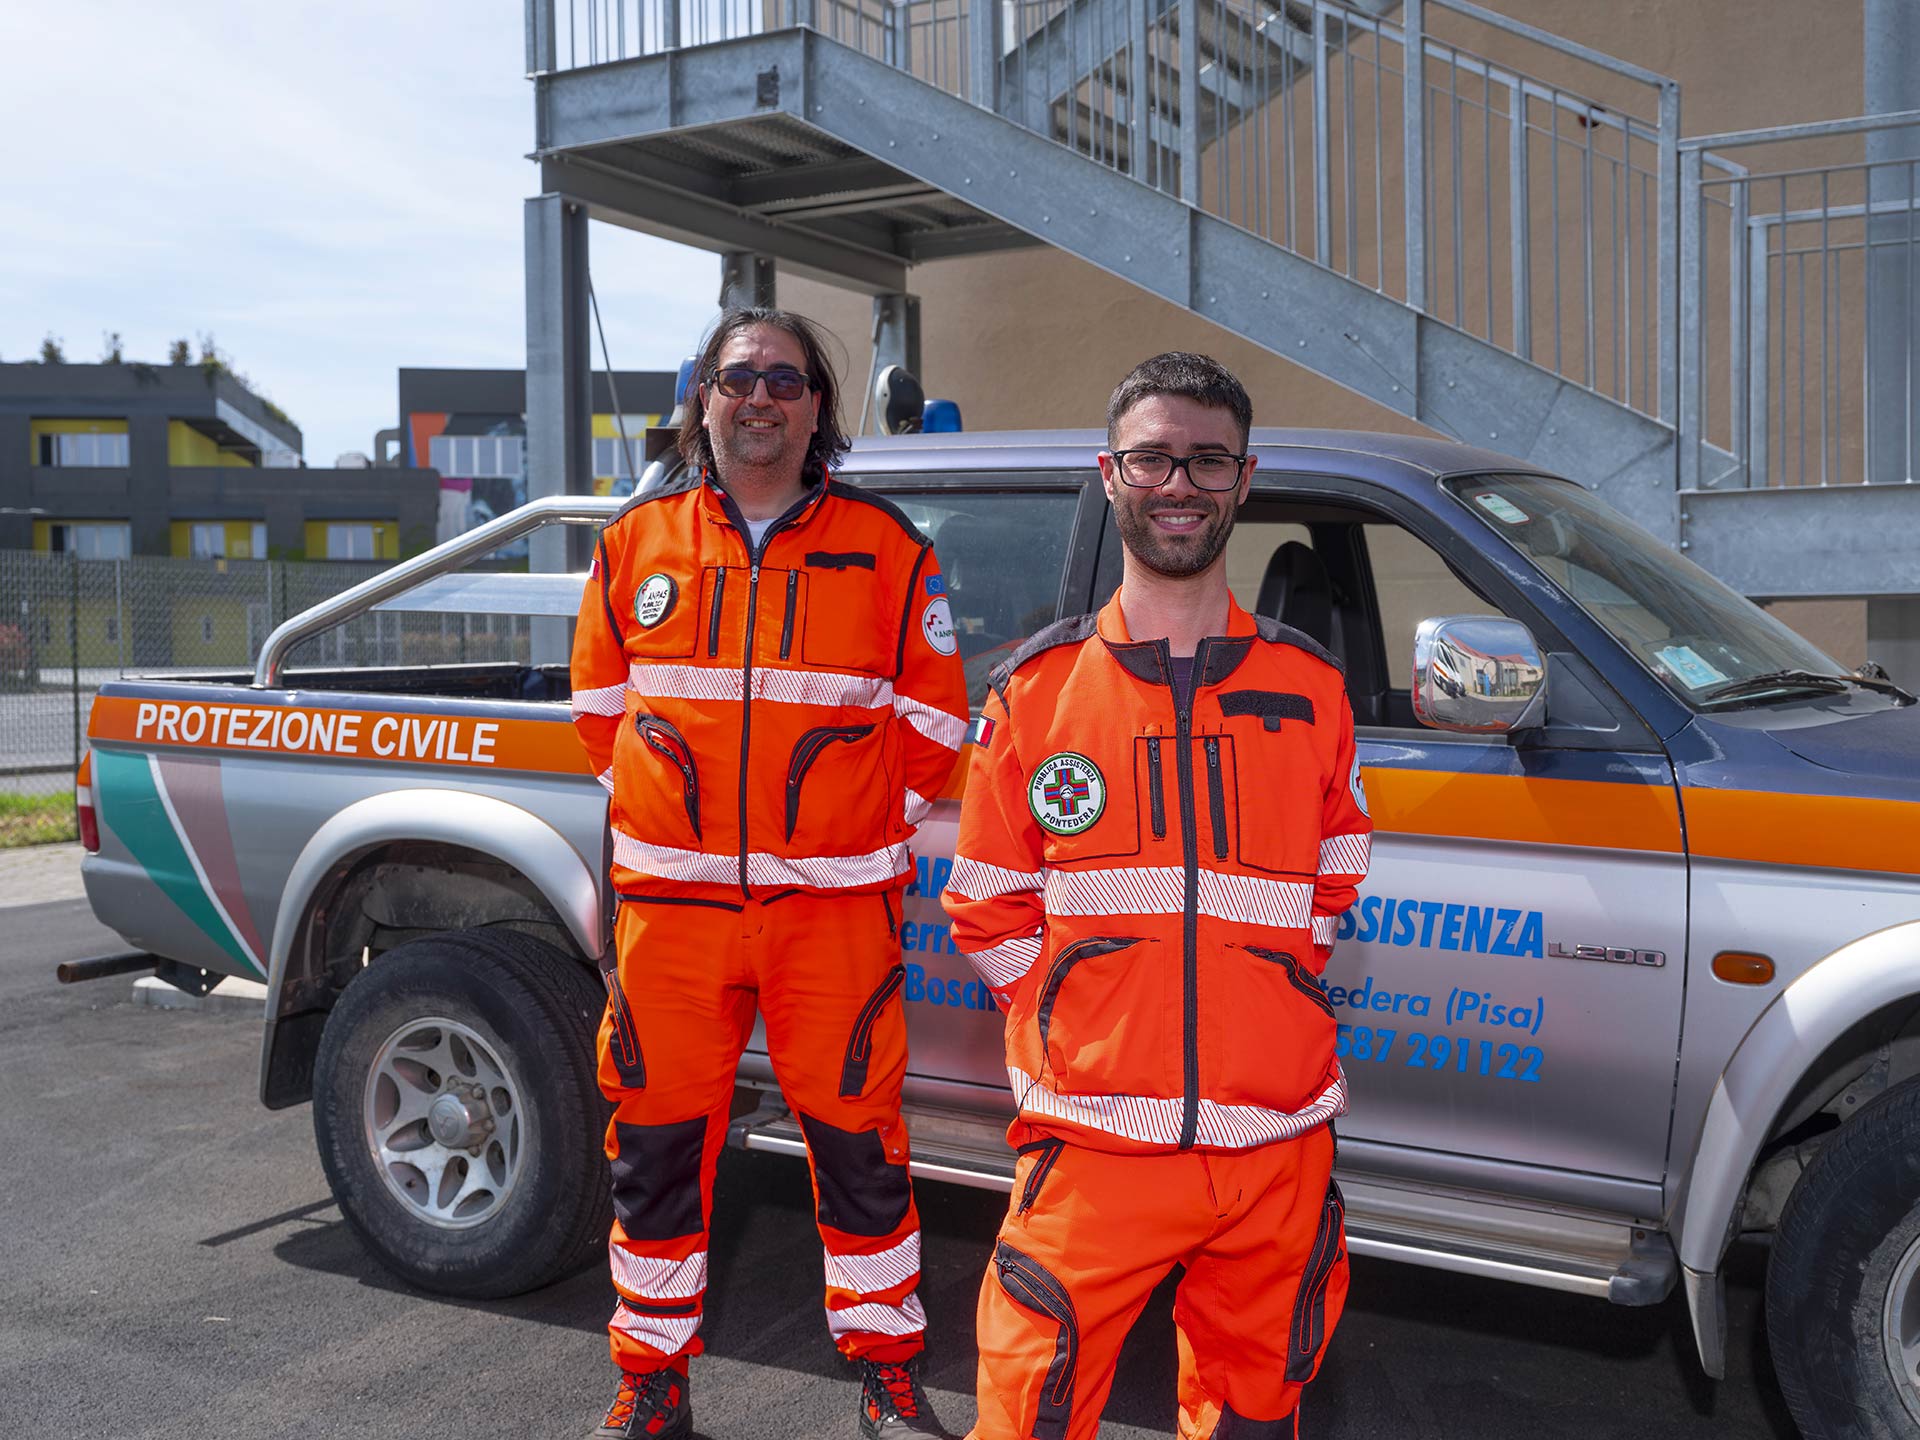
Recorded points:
(1468, 1233)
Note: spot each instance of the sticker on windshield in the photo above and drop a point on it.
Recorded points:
(1687, 667)
(1501, 508)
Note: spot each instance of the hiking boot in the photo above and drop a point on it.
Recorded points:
(893, 1405)
(650, 1405)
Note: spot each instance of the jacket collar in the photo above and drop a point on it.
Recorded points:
(721, 509)
(1149, 660)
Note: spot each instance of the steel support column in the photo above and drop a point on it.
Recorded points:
(559, 387)
(1413, 120)
(746, 280)
(1892, 83)
(896, 332)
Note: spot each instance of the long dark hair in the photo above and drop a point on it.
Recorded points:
(828, 443)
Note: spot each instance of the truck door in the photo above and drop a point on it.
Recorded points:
(1509, 983)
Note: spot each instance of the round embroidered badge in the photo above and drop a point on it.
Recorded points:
(936, 623)
(1067, 793)
(1359, 789)
(654, 599)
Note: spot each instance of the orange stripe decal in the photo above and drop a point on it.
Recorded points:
(413, 737)
(1597, 813)
(1830, 831)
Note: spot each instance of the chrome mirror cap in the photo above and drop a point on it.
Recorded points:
(1481, 674)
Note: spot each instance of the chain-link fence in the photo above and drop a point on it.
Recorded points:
(68, 625)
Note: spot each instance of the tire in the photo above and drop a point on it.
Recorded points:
(1843, 1281)
(459, 1117)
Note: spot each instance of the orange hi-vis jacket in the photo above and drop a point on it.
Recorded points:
(768, 719)
(1152, 891)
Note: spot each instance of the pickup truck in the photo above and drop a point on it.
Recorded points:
(1636, 971)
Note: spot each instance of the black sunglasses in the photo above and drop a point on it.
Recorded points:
(1208, 470)
(736, 382)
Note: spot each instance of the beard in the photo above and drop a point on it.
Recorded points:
(1175, 556)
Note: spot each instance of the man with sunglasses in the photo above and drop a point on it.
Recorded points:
(767, 681)
(1163, 823)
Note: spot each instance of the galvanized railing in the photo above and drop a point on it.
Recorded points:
(1800, 303)
(1532, 204)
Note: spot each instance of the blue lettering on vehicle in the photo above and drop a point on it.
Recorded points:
(924, 989)
(1445, 925)
(930, 875)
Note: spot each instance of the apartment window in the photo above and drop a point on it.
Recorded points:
(92, 449)
(208, 542)
(259, 538)
(350, 542)
(113, 629)
(478, 457)
(92, 541)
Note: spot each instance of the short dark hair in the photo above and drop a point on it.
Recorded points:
(829, 442)
(1181, 372)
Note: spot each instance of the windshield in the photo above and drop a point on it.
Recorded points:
(1696, 635)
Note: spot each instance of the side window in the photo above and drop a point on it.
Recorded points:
(1002, 556)
(1411, 583)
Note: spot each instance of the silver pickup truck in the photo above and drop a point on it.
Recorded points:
(1636, 971)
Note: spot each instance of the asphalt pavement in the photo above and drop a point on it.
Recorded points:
(174, 1268)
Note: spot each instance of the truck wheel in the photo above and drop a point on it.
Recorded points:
(458, 1115)
(1843, 1282)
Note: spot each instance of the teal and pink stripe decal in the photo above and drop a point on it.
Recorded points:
(171, 815)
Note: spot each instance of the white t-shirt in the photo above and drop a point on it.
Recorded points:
(758, 529)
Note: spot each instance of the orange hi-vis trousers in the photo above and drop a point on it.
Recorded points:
(1088, 1236)
(826, 974)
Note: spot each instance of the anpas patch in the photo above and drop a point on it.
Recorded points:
(936, 623)
(1359, 789)
(1067, 793)
(654, 599)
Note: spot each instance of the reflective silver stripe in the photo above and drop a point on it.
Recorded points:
(864, 1274)
(605, 777)
(1155, 1120)
(1345, 854)
(906, 1318)
(668, 1334)
(1002, 965)
(917, 806)
(698, 867)
(654, 1279)
(977, 880)
(784, 687)
(1161, 890)
(1325, 927)
(602, 700)
(936, 724)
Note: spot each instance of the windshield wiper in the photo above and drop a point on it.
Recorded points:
(1802, 681)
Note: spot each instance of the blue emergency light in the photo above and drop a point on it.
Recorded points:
(940, 417)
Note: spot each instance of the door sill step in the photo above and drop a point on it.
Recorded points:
(1465, 1232)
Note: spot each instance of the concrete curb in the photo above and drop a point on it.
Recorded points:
(230, 997)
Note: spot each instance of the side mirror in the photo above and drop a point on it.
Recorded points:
(901, 401)
(1481, 674)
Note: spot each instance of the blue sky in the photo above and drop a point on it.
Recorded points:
(333, 191)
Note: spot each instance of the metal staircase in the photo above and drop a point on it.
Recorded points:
(1494, 241)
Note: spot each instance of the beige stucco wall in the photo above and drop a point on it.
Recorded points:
(1035, 337)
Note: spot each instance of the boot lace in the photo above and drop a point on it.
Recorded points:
(653, 1392)
(893, 1387)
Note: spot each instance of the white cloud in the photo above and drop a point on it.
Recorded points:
(334, 191)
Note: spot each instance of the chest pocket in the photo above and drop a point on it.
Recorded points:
(672, 601)
(844, 616)
(1259, 785)
(1102, 808)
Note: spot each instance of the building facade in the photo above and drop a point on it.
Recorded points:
(115, 460)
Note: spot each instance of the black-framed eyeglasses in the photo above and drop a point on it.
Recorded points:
(736, 382)
(1207, 469)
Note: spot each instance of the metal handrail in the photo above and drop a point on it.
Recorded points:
(1811, 130)
(480, 541)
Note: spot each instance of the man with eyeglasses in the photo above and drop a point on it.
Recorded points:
(1163, 823)
(767, 681)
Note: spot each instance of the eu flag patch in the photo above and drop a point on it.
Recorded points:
(936, 585)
